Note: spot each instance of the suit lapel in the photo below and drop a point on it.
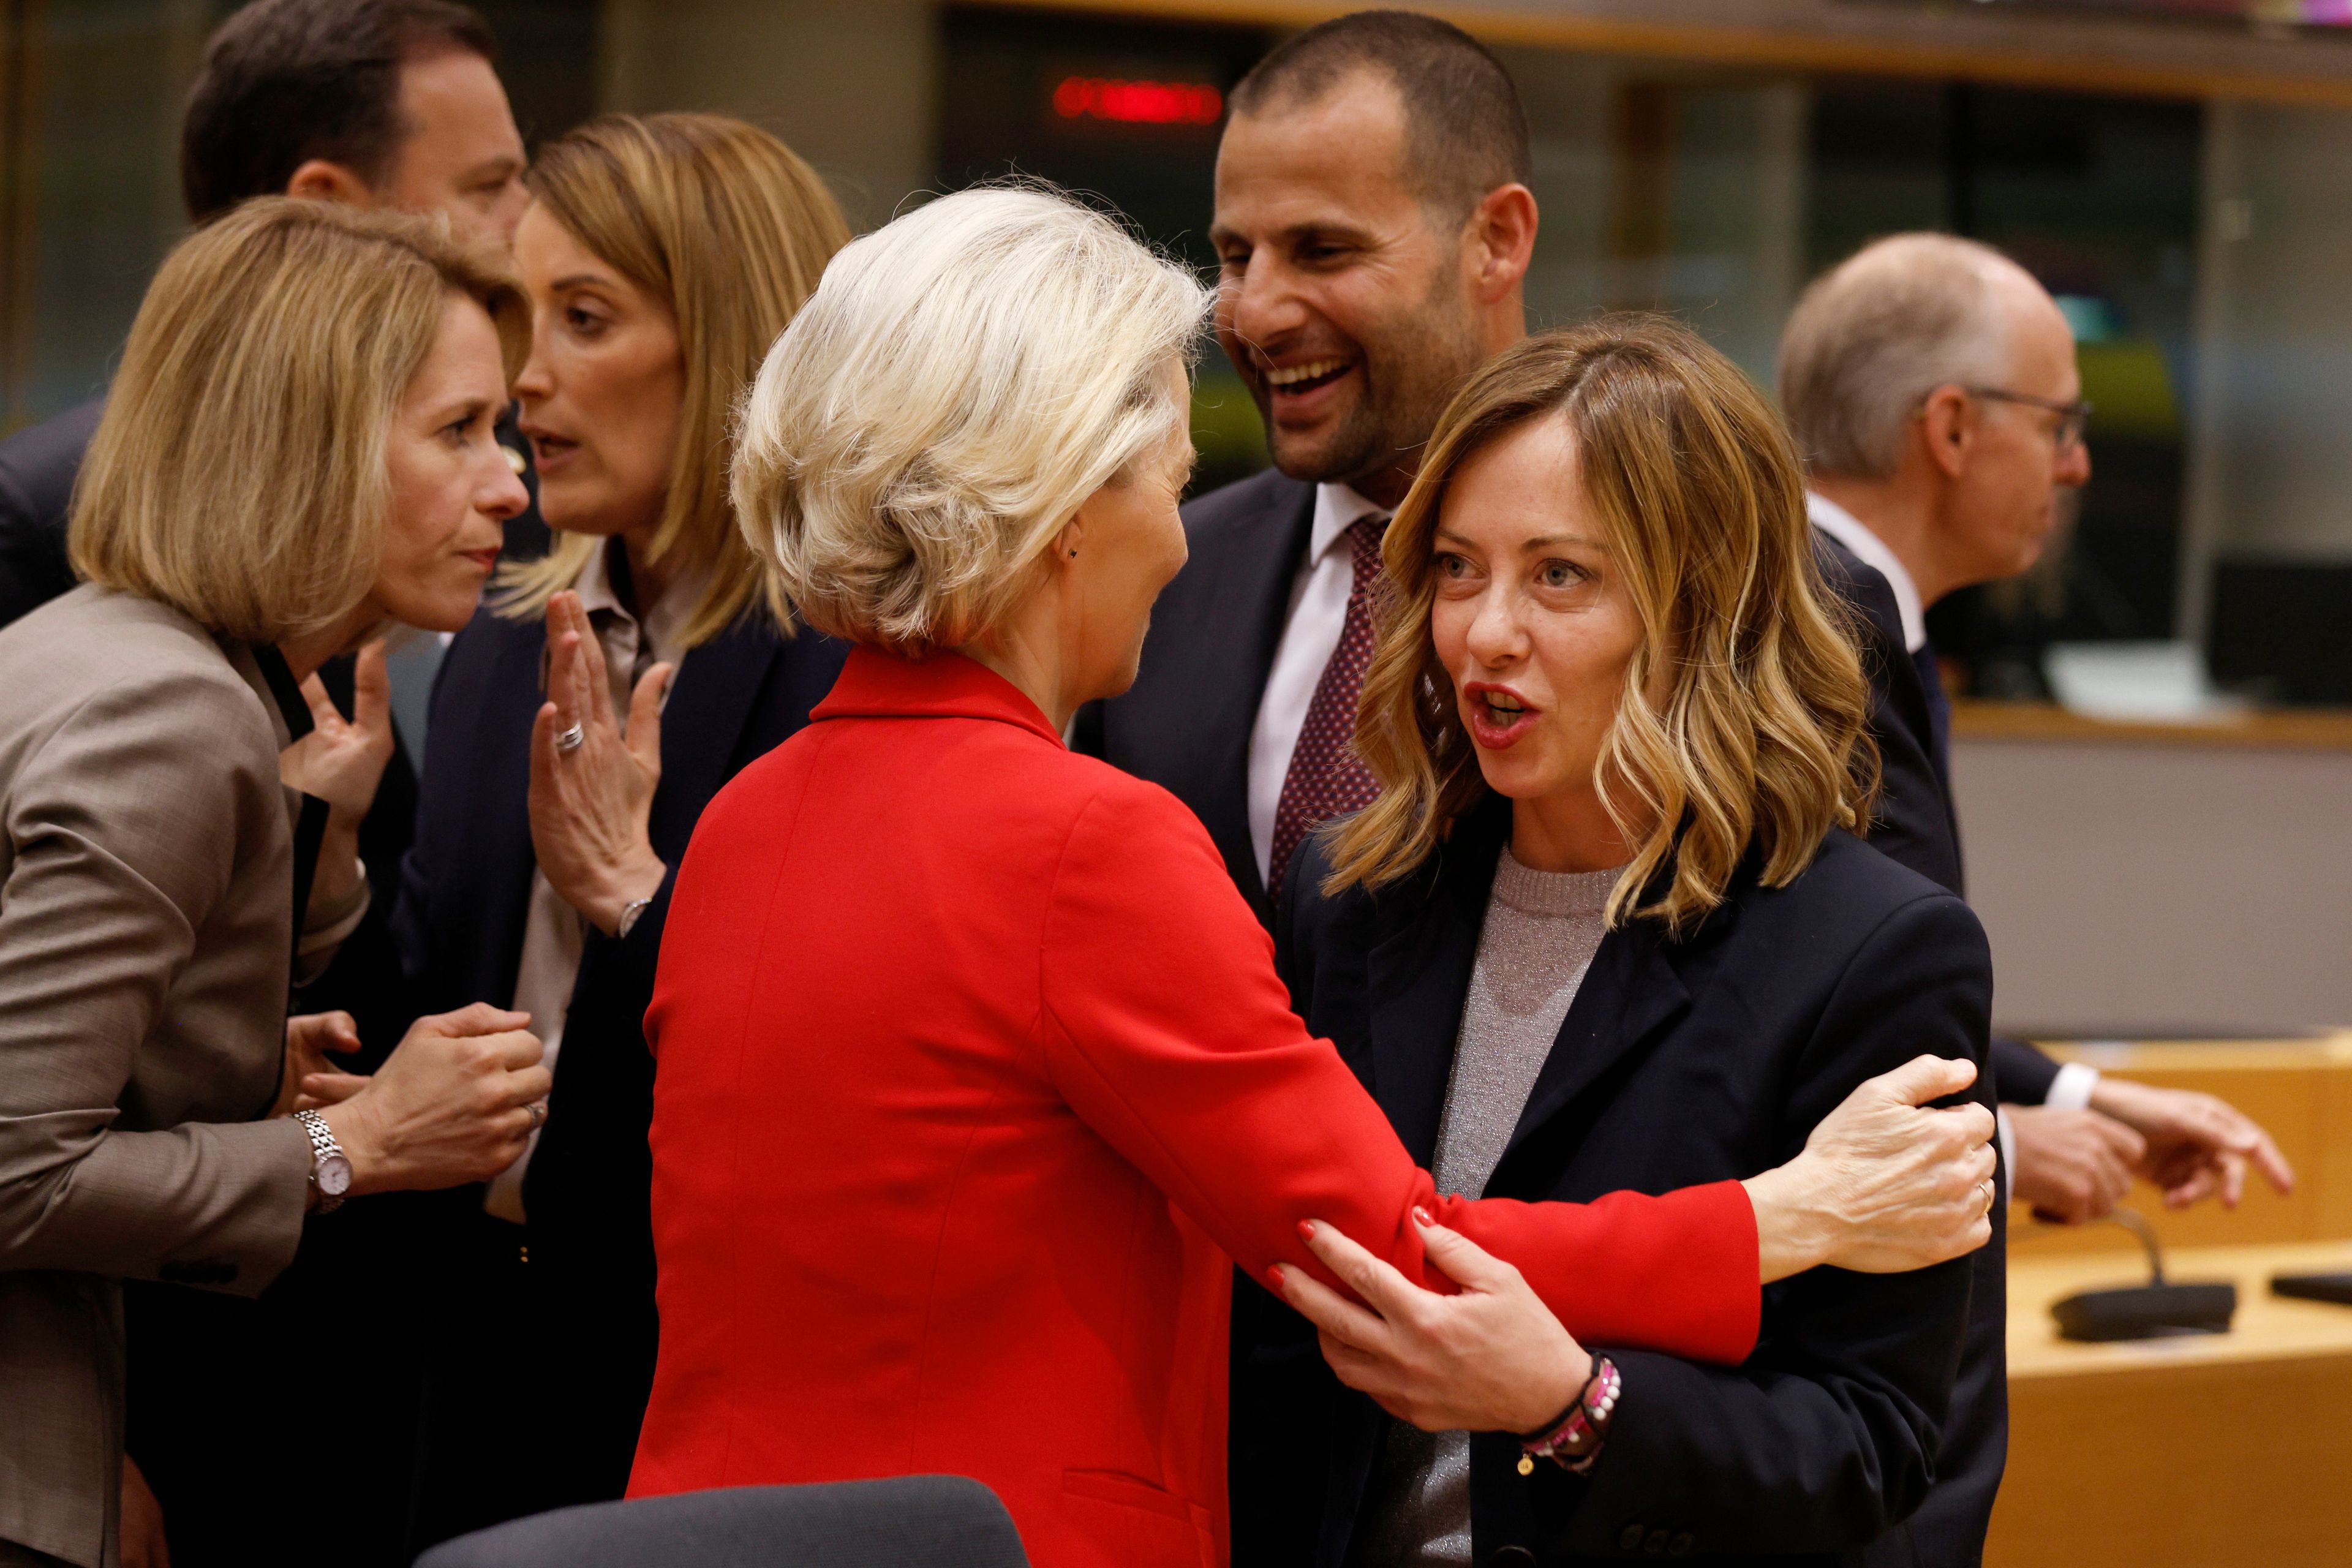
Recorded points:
(1630, 993)
(1419, 982)
(710, 702)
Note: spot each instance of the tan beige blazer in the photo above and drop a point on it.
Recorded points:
(146, 892)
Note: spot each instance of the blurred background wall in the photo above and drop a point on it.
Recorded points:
(2178, 171)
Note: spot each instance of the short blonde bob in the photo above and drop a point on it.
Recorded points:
(961, 381)
(729, 229)
(1759, 740)
(239, 471)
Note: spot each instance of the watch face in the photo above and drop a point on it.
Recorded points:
(334, 1175)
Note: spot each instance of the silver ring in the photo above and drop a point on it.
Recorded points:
(537, 1115)
(571, 738)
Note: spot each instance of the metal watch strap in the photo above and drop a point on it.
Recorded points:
(322, 1147)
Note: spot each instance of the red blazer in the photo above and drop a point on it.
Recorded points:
(972, 1071)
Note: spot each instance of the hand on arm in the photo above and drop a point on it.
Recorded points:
(590, 807)
(1492, 1358)
(1884, 1185)
(341, 762)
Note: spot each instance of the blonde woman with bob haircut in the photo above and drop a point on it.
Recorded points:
(1619, 934)
(297, 451)
(973, 1072)
(581, 721)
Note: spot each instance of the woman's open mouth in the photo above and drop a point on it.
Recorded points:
(549, 451)
(1497, 715)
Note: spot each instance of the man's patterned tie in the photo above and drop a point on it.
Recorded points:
(1326, 779)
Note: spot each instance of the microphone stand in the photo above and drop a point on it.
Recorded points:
(2158, 1309)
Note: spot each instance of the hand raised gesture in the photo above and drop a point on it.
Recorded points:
(592, 784)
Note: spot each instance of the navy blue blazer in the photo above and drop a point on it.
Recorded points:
(1682, 1061)
(457, 937)
(1917, 823)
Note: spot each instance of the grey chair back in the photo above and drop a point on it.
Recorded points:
(905, 1522)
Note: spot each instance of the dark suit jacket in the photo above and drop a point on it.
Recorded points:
(1186, 724)
(1738, 1037)
(37, 467)
(1915, 826)
(459, 930)
(1917, 823)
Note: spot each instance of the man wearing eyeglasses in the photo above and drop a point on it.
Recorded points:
(1932, 385)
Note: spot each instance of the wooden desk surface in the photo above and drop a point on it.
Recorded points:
(2275, 729)
(2267, 1327)
(2215, 1451)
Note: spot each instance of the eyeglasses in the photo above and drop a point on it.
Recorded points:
(2072, 417)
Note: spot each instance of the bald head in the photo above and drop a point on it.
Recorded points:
(1872, 337)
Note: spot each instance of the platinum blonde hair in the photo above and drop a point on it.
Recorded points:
(960, 382)
(1875, 335)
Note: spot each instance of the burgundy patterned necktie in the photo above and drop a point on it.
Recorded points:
(1326, 779)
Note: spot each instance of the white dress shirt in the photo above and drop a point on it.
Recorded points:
(1319, 611)
(1871, 551)
(554, 934)
(2072, 1089)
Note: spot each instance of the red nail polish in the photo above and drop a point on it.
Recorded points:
(1422, 1214)
(1306, 1230)
(1274, 1277)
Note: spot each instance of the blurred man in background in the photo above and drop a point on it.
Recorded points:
(1932, 385)
(388, 103)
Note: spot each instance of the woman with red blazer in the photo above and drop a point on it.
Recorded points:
(972, 1071)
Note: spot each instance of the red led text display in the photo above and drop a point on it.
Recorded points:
(1139, 102)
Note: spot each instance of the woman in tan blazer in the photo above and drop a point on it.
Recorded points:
(298, 451)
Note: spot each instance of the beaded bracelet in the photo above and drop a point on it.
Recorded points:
(1573, 1442)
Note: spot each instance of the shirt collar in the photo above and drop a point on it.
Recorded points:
(875, 684)
(1855, 535)
(660, 627)
(1337, 508)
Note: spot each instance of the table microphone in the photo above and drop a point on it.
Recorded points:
(2157, 1309)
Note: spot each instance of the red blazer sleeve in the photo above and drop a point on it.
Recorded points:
(1166, 1027)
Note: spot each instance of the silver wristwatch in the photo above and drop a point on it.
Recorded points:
(330, 1169)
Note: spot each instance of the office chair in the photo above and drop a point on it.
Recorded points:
(905, 1522)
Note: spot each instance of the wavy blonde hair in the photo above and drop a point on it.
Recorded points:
(728, 228)
(239, 471)
(1759, 739)
(963, 379)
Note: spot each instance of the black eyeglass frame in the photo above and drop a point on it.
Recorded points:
(2072, 417)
